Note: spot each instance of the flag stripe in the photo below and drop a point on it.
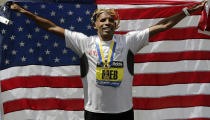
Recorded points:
(149, 13)
(46, 92)
(171, 102)
(172, 67)
(176, 34)
(39, 70)
(145, 23)
(171, 90)
(169, 114)
(176, 46)
(138, 91)
(165, 2)
(77, 104)
(41, 81)
(171, 78)
(173, 113)
(75, 82)
(171, 57)
(44, 104)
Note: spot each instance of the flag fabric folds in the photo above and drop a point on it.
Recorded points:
(40, 76)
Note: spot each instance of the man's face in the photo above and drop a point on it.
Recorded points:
(105, 25)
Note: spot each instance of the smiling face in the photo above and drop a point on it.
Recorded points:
(105, 25)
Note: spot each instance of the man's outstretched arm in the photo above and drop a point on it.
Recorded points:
(171, 21)
(41, 22)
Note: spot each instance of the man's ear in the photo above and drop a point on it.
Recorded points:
(94, 26)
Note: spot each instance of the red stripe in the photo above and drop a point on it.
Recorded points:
(171, 78)
(171, 102)
(44, 104)
(194, 119)
(41, 81)
(144, 2)
(149, 13)
(77, 104)
(139, 80)
(176, 34)
(170, 57)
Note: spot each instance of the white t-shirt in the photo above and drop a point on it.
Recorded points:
(107, 99)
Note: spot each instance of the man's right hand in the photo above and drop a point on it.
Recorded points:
(16, 7)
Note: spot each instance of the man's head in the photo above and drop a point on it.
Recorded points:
(105, 21)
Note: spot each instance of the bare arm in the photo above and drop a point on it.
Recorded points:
(169, 22)
(41, 22)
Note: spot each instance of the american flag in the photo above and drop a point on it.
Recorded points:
(40, 76)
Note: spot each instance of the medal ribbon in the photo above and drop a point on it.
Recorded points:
(101, 54)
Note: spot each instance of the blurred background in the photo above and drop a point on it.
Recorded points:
(1, 3)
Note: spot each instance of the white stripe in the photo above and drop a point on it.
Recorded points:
(116, 6)
(45, 115)
(172, 90)
(140, 24)
(39, 70)
(101, 6)
(173, 113)
(170, 113)
(170, 67)
(42, 92)
(177, 46)
(138, 91)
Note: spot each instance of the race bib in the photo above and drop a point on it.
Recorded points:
(111, 76)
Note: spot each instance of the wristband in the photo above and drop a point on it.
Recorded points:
(186, 11)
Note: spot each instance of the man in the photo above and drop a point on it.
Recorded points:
(107, 67)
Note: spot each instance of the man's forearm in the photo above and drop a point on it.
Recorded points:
(41, 22)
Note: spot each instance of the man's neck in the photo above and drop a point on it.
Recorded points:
(105, 38)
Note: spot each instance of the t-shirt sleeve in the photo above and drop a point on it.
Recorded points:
(76, 41)
(136, 40)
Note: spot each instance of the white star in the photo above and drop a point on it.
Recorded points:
(28, 21)
(5, 47)
(47, 52)
(46, 37)
(79, 19)
(40, 59)
(43, 6)
(29, 36)
(3, 31)
(60, 6)
(62, 20)
(18, 14)
(37, 29)
(38, 44)
(20, 29)
(6, 62)
(71, 27)
(36, 13)
(12, 37)
(70, 13)
(78, 6)
(25, 7)
(14, 52)
(74, 59)
(57, 60)
(87, 12)
(55, 44)
(23, 59)
(22, 44)
(65, 51)
(31, 50)
(53, 13)
(89, 27)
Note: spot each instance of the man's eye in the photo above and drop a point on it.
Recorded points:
(111, 20)
(103, 20)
